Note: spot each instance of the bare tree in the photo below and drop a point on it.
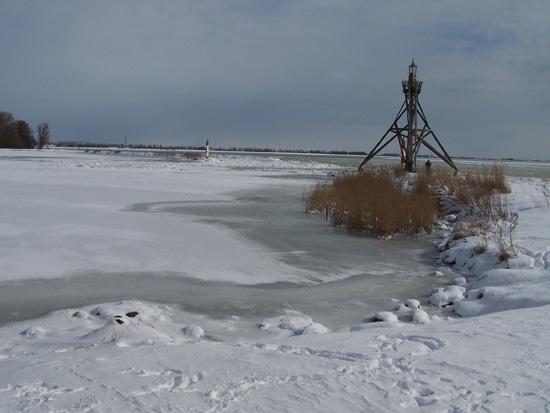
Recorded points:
(7, 130)
(43, 135)
(15, 134)
(25, 135)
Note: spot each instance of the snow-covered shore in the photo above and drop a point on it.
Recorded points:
(143, 356)
(521, 281)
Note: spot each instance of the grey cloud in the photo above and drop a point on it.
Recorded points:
(278, 74)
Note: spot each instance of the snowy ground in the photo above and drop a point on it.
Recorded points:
(66, 213)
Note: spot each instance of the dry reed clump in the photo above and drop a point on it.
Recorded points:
(193, 155)
(480, 192)
(491, 178)
(386, 201)
(502, 234)
(319, 198)
(470, 229)
(374, 201)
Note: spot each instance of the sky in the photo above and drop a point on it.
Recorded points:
(299, 74)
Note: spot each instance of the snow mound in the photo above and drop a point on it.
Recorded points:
(412, 303)
(294, 322)
(407, 306)
(123, 323)
(419, 316)
(443, 297)
(193, 331)
(451, 218)
(382, 316)
(503, 290)
(34, 332)
(465, 254)
(313, 328)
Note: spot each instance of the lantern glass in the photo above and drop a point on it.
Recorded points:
(412, 69)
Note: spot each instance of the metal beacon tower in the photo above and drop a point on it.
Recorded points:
(410, 137)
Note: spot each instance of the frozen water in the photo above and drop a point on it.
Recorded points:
(338, 278)
(342, 277)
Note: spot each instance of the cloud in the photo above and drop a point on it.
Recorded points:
(318, 74)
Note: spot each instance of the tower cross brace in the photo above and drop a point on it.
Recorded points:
(410, 137)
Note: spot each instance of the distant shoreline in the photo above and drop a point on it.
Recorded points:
(268, 151)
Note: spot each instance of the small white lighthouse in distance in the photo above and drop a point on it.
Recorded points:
(207, 149)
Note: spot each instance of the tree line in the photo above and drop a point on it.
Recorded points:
(17, 134)
(72, 144)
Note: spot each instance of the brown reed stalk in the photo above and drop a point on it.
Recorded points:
(374, 201)
(378, 201)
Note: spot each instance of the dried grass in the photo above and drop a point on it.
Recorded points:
(480, 192)
(470, 229)
(385, 201)
(193, 155)
(503, 236)
(373, 201)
